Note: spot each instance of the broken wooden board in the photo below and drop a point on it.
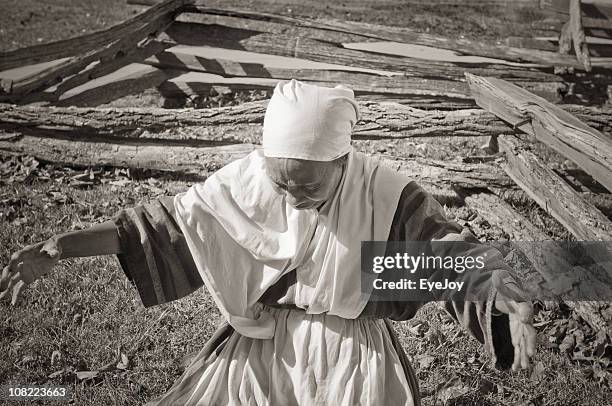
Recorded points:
(581, 47)
(300, 47)
(588, 148)
(360, 82)
(98, 70)
(340, 31)
(75, 46)
(179, 89)
(127, 44)
(104, 90)
(553, 194)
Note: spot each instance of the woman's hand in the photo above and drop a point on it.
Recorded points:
(26, 266)
(521, 329)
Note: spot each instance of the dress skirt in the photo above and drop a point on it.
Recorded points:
(311, 360)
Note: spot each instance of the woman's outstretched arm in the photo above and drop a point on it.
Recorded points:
(101, 239)
(35, 261)
(147, 240)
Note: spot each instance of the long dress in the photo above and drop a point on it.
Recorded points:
(312, 359)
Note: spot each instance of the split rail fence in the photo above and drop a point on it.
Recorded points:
(53, 112)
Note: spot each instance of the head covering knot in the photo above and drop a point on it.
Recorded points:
(309, 122)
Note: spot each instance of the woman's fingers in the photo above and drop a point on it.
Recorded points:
(517, 357)
(16, 291)
(9, 288)
(514, 330)
(531, 340)
(524, 342)
(520, 341)
(524, 356)
(4, 279)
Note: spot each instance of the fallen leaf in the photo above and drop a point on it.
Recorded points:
(425, 360)
(86, 375)
(434, 336)
(568, 344)
(451, 389)
(124, 363)
(418, 328)
(120, 183)
(485, 387)
(57, 373)
(538, 371)
(55, 356)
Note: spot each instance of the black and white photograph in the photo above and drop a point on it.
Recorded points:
(306, 203)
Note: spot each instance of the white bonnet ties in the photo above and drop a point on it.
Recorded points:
(310, 122)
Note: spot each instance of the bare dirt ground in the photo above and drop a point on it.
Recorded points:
(86, 315)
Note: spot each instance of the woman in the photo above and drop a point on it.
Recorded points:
(276, 239)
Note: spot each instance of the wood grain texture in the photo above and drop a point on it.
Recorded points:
(578, 38)
(359, 82)
(341, 31)
(587, 147)
(75, 46)
(379, 121)
(319, 51)
(553, 194)
(108, 54)
(185, 159)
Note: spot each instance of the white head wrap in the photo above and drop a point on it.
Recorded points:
(310, 122)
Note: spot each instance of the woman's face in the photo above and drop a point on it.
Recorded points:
(307, 184)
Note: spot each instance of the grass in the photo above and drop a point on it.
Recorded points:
(87, 312)
(86, 309)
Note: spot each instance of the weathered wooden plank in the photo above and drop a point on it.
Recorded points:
(595, 49)
(554, 264)
(278, 44)
(139, 80)
(179, 90)
(379, 121)
(340, 31)
(554, 195)
(85, 43)
(454, 94)
(587, 22)
(133, 55)
(359, 82)
(125, 46)
(160, 156)
(416, 2)
(590, 8)
(578, 38)
(599, 118)
(587, 147)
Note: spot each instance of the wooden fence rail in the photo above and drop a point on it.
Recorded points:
(587, 147)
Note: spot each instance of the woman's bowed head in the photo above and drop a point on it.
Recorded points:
(288, 225)
(307, 139)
